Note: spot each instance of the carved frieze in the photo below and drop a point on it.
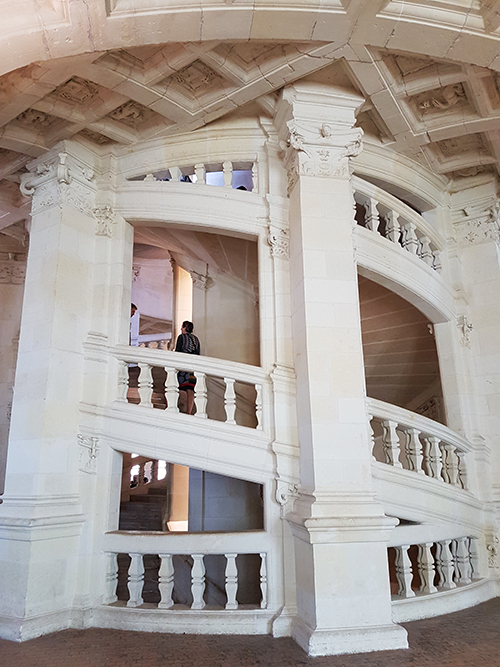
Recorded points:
(279, 240)
(12, 273)
(105, 219)
(479, 225)
(89, 449)
(61, 179)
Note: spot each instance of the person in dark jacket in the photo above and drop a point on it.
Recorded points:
(188, 343)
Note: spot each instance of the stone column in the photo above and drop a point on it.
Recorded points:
(340, 530)
(41, 517)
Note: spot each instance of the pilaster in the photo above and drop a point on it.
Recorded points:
(340, 530)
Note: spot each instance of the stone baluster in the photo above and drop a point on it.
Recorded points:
(450, 464)
(255, 178)
(432, 456)
(263, 580)
(425, 565)
(111, 579)
(145, 385)
(258, 406)
(166, 581)
(404, 573)
(231, 581)
(198, 581)
(141, 473)
(437, 264)
(372, 216)
(444, 565)
(201, 396)
(463, 561)
(230, 401)
(135, 580)
(474, 558)
(424, 250)
(171, 390)
(462, 468)
(453, 549)
(413, 450)
(122, 381)
(176, 174)
(390, 441)
(371, 436)
(200, 172)
(410, 239)
(227, 172)
(154, 470)
(392, 226)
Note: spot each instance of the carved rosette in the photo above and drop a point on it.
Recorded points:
(105, 219)
(89, 449)
(62, 179)
(320, 151)
(279, 240)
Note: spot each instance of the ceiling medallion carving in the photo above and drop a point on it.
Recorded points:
(442, 99)
(95, 137)
(466, 144)
(196, 77)
(76, 90)
(30, 117)
(131, 113)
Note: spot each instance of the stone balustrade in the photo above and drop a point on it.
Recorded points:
(184, 571)
(403, 439)
(225, 391)
(228, 174)
(432, 567)
(388, 216)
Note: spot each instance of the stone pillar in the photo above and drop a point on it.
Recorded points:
(340, 530)
(41, 517)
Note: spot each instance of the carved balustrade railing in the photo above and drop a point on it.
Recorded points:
(389, 217)
(229, 174)
(433, 567)
(155, 341)
(225, 391)
(188, 571)
(404, 439)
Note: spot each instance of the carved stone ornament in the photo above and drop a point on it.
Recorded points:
(492, 542)
(136, 272)
(105, 219)
(89, 449)
(286, 495)
(279, 240)
(466, 328)
(61, 179)
(319, 151)
(12, 273)
(200, 281)
(479, 226)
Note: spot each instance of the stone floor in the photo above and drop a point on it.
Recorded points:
(469, 638)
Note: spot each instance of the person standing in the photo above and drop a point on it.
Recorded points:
(188, 343)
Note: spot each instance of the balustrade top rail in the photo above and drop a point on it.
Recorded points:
(391, 218)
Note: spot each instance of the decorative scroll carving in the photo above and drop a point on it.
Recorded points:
(105, 219)
(89, 449)
(201, 281)
(492, 542)
(279, 240)
(465, 326)
(61, 179)
(286, 495)
(12, 273)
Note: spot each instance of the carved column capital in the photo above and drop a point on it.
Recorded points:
(200, 281)
(316, 130)
(279, 240)
(60, 178)
(105, 219)
(465, 326)
(89, 450)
